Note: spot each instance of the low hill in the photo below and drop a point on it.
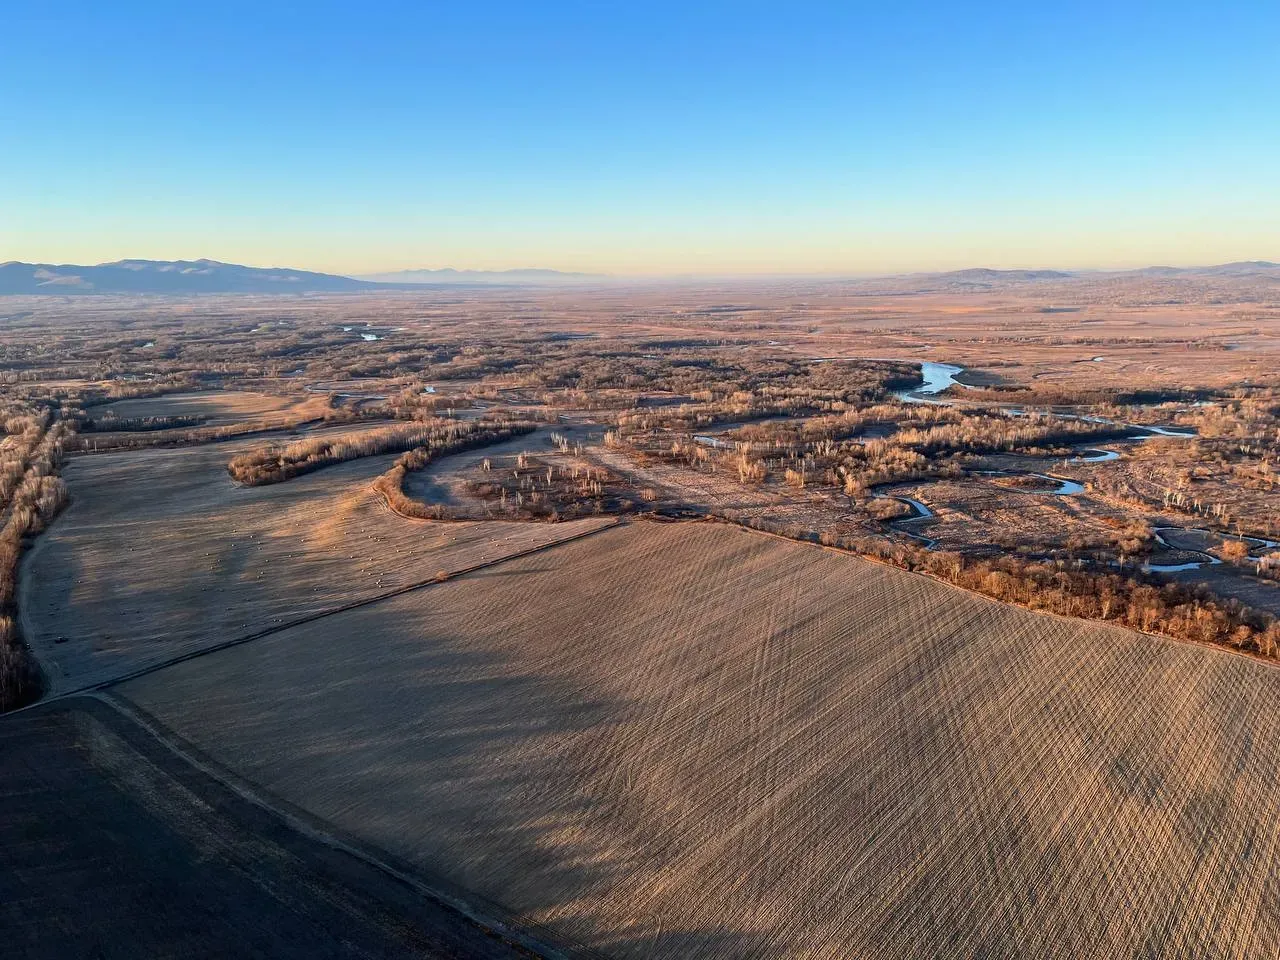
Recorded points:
(984, 275)
(167, 277)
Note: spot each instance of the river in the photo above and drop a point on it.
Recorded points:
(937, 378)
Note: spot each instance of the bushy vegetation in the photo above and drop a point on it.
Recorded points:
(1226, 484)
(861, 449)
(276, 463)
(479, 434)
(106, 442)
(31, 494)
(540, 488)
(1174, 610)
(114, 423)
(731, 393)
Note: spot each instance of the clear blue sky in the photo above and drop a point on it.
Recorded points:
(642, 137)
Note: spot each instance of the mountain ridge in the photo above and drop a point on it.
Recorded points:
(205, 276)
(166, 277)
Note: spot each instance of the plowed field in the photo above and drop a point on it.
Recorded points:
(693, 741)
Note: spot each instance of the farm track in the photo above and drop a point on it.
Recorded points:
(114, 840)
(160, 553)
(312, 618)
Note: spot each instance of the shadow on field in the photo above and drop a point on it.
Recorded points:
(472, 770)
(694, 943)
(496, 572)
(110, 846)
(848, 763)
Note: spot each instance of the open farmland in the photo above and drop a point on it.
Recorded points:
(161, 553)
(215, 407)
(692, 740)
(324, 557)
(672, 482)
(136, 853)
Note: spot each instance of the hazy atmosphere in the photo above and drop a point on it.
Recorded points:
(659, 138)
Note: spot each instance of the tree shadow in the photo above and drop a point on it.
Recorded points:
(472, 767)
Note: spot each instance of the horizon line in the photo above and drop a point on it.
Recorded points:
(364, 275)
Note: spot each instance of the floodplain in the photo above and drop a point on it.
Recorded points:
(904, 618)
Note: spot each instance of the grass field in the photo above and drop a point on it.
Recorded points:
(161, 553)
(691, 740)
(217, 406)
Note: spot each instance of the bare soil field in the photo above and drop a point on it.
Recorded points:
(161, 553)
(686, 740)
(110, 846)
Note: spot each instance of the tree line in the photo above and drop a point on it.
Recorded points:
(390, 485)
(31, 494)
(275, 463)
(1130, 599)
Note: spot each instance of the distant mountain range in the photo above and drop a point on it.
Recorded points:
(1241, 268)
(167, 276)
(177, 277)
(982, 275)
(212, 276)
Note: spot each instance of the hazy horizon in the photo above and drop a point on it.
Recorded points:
(729, 139)
(387, 276)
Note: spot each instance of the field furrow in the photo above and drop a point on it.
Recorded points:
(690, 740)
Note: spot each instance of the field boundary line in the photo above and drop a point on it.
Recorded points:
(21, 598)
(320, 615)
(318, 831)
(1203, 644)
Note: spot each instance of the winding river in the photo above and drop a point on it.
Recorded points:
(1099, 456)
(1208, 559)
(937, 378)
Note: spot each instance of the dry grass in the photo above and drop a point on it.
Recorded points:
(218, 407)
(275, 463)
(693, 741)
(980, 510)
(161, 553)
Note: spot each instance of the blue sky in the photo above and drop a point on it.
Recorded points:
(641, 138)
